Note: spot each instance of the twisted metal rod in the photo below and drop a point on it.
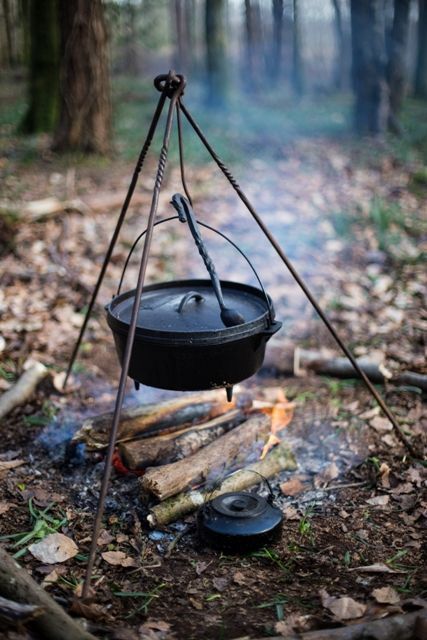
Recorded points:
(178, 88)
(380, 401)
(121, 218)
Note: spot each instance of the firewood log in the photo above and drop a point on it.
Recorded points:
(23, 389)
(168, 416)
(304, 360)
(277, 460)
(169, 447)
(229, 449)
(54, 622)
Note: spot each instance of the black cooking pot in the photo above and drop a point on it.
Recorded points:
(194, 334)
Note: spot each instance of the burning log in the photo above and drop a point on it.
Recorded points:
(277, 460)
(170, 479)
(54, 622)
(23, 389)
(169, 447)
(164, 417)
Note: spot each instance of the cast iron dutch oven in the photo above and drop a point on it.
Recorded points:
(194, 334)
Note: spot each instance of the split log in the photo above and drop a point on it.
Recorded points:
(147, 420)
(230, 449)
(303, 360)
(23, 389)
(54, 623)
(409, 626)
(277, 460)
(169, 447)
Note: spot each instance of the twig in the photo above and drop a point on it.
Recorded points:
(23, 389)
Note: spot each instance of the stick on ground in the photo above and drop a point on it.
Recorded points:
(23, 389)
(54, 623)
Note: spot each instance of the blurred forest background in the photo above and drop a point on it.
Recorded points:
(265, 68)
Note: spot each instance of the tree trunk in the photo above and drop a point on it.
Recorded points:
(8, 29)
(397, 63)
(420, 88)
(369, 78)
(85, 120)
(42, 113)
(297, 77)
(253, 46)
(277, 41)
(215, 52)
(340, 71)
(181, 37)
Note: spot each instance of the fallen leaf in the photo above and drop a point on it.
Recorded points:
(220, 584)
(326, 475)
(344, 608)
(389, 440)
(292, 487)
(386, 595)
(239, 578)
(104, 537)
(5, 506)
(51, 578)
(405, 487)
(90, 611)
(196, 604)
(381, 424)
(54, 548)
(119, 558)
(378, 501)
(290, 513)
(155, 630)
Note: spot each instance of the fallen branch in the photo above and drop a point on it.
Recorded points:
(409, 626)
(54, 622)
(164, 417)
(170, 479)
(169, 447)
(279, 459)
(301, 361)
(23, 389)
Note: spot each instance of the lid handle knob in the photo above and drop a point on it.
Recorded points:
(189, 296)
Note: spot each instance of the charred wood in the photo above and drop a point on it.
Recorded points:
(169, 447)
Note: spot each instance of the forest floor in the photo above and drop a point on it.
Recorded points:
(352, 218)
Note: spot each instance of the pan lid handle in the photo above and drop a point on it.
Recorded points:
(189, 296)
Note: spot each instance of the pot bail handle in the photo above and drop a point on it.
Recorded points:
(229, 317)
(189, 296)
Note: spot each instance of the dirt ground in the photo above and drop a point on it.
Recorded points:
(354, 521)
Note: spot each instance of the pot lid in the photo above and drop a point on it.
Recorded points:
(190, 306)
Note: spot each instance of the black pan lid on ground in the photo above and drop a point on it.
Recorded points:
(184, 308)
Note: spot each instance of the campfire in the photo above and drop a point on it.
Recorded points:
(199, 442)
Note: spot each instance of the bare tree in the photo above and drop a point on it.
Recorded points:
(397, 64)
(297, 76)
(254, 58)
(421, 66)
(277, 41)
(42, 112)
(215, 52)
(341, 55)
(85, 118)
(369, 65)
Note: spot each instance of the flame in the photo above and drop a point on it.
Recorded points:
(282, 412)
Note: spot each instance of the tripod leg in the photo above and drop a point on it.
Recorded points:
(116, 232)
(300, 282)
(129, 342)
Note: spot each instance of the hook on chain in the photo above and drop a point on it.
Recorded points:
(172, 82)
